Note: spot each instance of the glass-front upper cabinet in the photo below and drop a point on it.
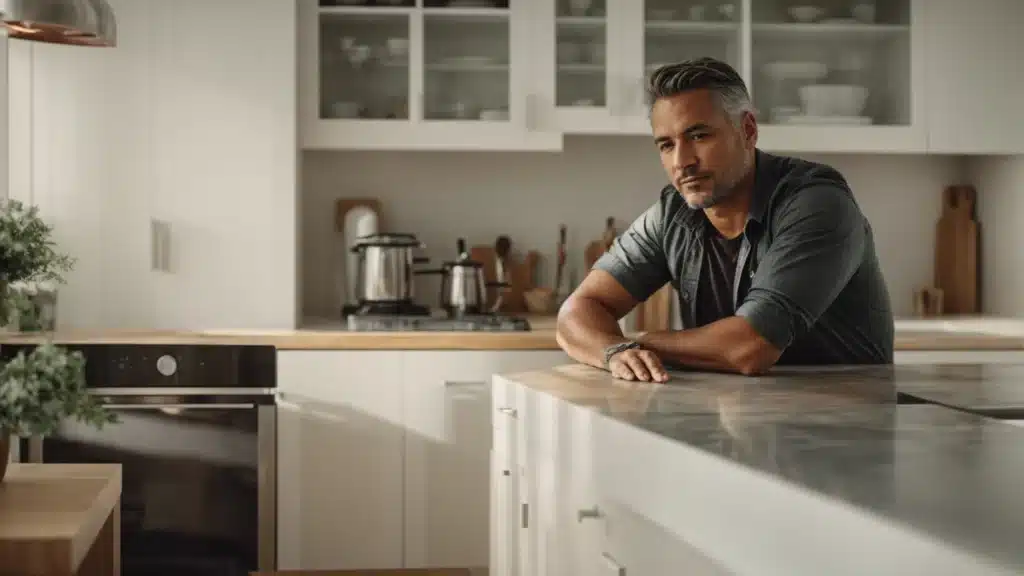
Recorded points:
(577, 65)
(837, 63)
(668, 31)
(393, 74)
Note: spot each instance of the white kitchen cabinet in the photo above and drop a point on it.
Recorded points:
(340, 455)
(597, 55)
(417, 74)
(448, 440)
(182, 123)
(223, 162)
(564, 518)
(385, 456)
(974, 76)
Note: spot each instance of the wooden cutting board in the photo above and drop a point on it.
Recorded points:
(520, 274)
(956, 251)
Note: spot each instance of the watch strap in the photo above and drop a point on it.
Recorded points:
(614, 349)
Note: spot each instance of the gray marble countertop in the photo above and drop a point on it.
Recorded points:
(995, 390)
(839, 432)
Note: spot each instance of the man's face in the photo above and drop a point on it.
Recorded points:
(704, 154)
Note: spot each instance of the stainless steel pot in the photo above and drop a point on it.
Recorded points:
(463, 286)
(386, 267)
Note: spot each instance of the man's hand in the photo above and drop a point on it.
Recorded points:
(637, 364)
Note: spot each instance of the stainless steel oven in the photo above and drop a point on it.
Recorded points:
(196, 438)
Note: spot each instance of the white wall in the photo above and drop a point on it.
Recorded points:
(999, 181)
(441, 195)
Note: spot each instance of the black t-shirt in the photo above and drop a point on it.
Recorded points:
(717, 274)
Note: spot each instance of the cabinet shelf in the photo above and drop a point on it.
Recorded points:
(459, 67)
(714, 29)
(582, 22)
(582, 68)
(469, 15)
(786, 31)
(365, 11)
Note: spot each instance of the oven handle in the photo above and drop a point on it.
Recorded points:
(179, 406)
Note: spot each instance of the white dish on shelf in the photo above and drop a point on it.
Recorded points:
(833, 99)
(807, 119)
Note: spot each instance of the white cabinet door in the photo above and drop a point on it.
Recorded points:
(340, 445)
(505, 506)
(417, 75)
(448, 441)
(223, 153)
(972, 106)
(577, 53)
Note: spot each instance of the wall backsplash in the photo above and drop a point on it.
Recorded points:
(1000, 183)
(442, 195)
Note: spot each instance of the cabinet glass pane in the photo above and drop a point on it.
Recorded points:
(836, 62)
(466, 60)
(581, 40)
(364, 65)
(676, 31)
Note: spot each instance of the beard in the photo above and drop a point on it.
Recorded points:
(712, 191)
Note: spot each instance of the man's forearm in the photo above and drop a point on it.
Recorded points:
(585, 329)
(730, 345)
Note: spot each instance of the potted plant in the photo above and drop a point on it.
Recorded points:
(29, 260)
(39, 389)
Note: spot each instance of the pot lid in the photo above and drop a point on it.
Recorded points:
(388, 239)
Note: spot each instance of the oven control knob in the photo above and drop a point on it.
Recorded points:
(166, 365)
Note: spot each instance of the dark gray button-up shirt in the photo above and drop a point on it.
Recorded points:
(816, 289)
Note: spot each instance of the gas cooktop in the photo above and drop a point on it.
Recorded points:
(409, 323)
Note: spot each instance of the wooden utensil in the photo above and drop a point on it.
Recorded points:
(928, 302)
(596, 248)
(520, 274)
(956, 251)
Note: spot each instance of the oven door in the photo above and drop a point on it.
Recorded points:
(199, 479)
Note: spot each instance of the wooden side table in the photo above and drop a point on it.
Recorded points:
(61, 520)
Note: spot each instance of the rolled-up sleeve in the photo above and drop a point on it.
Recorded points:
(818, 246)
(636, 258)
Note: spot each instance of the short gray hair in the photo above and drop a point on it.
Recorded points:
(701, 74)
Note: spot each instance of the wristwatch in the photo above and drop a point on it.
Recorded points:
(616, 348)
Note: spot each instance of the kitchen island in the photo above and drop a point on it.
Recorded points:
(805, 471)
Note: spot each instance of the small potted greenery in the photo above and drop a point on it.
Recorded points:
(39, 389)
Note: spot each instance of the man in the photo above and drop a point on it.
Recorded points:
(771, 256)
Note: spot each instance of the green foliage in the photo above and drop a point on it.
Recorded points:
(40, 389)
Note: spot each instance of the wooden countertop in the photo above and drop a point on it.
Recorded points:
(331, 336)
(51, 514)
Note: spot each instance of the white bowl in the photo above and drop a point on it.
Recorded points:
(398, 46)
(833, 99)
(806, 13)
(864, 13)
